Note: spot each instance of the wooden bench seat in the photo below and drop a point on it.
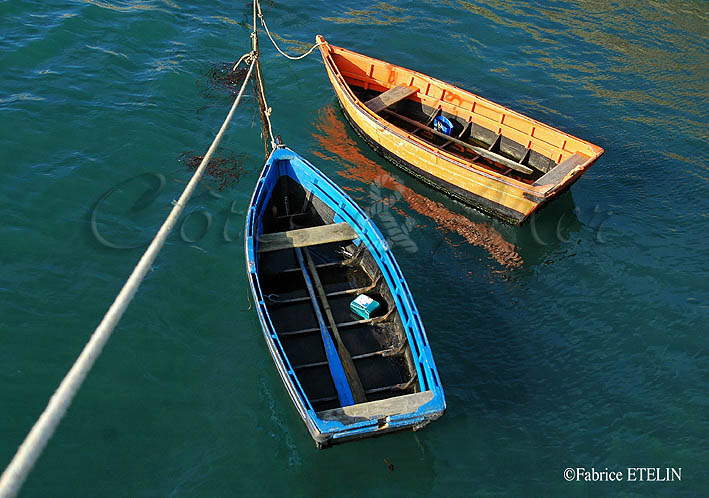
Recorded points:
(390, 97)
(407, 403)
(558, 172)
(304, 237)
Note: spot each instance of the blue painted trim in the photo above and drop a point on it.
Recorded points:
(347, 211)
(337, 371)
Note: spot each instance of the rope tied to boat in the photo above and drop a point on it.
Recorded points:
(31, 448)
(261, 94)
(267, 113)
(268, 32)
(247, 57)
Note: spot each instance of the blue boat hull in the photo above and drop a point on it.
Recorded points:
(392, 359)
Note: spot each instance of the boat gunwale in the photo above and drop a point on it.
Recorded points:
(367, 231)
(417, 142)
(543, 191)
(481, 203)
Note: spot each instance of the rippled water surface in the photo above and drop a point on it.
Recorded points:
(577, 340)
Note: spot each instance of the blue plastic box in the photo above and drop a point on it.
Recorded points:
(364, 306)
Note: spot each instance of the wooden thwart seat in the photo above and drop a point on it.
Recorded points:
(558, 172)
(356, 290)
(304, 237)
(408, 403)
(390, 97)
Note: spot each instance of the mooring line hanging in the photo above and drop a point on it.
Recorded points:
(291, 57)
(245, 57)
(266, 112)
(261, 92)
(16, 472)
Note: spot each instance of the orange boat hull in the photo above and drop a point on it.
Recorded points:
(555, 158)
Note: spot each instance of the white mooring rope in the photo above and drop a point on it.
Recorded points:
(291, 57)
(30, 450)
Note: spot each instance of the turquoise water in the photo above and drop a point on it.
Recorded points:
(577, 340)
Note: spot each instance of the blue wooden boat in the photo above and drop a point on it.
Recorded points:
(310, 251)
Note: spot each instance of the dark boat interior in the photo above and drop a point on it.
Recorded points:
(417, 119)
(378, 346)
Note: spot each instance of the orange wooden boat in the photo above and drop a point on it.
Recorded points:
(475, 150)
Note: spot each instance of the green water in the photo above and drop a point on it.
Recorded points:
(577, 340)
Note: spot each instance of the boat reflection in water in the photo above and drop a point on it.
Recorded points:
(334, 137)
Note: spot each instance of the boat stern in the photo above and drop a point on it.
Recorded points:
(409, 411)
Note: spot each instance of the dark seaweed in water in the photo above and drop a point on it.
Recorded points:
(224, 77)
(225, 171)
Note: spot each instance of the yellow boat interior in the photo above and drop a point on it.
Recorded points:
(486, 135)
